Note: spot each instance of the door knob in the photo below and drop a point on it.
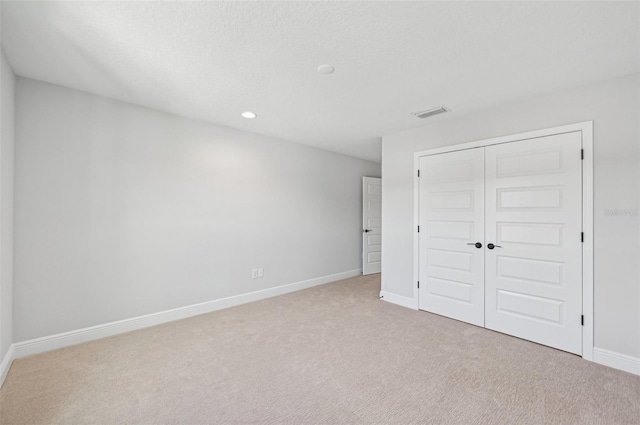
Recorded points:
(491, 246)
(477, 244)
(368, 230)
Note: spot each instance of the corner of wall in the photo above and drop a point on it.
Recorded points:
(7, 144)
(5, 364)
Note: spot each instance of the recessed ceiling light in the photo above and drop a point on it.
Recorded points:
(326, 69)
(249, 114)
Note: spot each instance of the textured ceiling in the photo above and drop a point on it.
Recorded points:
(214, 60)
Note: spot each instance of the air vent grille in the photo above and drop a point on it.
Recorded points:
(431, 112)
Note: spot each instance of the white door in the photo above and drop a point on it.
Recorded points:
(451, 278)
(371, 225)
(533, 280)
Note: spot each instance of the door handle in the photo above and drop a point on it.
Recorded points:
(491, 246)
(367, 230)
(477, 244)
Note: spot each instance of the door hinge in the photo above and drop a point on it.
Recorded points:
(581, 153)
(418, 284)
(582, 237)
(582, 320)
(418, 173)
(418, 229)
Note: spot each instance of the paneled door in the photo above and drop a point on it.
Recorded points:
(451, 235)
(371, 225)
(533, 271)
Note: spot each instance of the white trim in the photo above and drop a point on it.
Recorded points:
(616, 360)
(587, 211)
(587, 246)
(54, 342)
(416, 236)
(399, 300)
(6, 363)
(581, 126)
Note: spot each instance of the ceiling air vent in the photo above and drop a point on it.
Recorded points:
(430, 112)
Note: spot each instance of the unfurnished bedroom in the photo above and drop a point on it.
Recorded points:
(314, 212)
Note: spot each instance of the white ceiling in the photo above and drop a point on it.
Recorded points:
(214, 60)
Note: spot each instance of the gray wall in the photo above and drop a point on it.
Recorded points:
(7, 121)
(7, 114)
(614, 106)
(123, 211)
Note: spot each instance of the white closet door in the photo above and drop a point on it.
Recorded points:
(451, 223)
(533, 279)
(371, 225)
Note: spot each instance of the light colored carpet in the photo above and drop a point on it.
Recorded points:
(333, 354)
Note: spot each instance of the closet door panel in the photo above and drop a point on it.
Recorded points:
(451, 222)
(533, 282)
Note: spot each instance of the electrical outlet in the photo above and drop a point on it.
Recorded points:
(260, 272)
(254, 274)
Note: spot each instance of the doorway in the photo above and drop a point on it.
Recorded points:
(371, 225)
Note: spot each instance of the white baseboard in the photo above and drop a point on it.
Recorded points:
(399, 299)
(616, 360)
(5, 365)
(66, 339)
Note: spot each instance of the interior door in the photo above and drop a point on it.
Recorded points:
(533, 278)
(371, 225)
(451, 235)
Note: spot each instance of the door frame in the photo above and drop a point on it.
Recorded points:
(586, 129)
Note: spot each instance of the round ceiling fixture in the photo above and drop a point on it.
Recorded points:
(248, 114)
(326, 69)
